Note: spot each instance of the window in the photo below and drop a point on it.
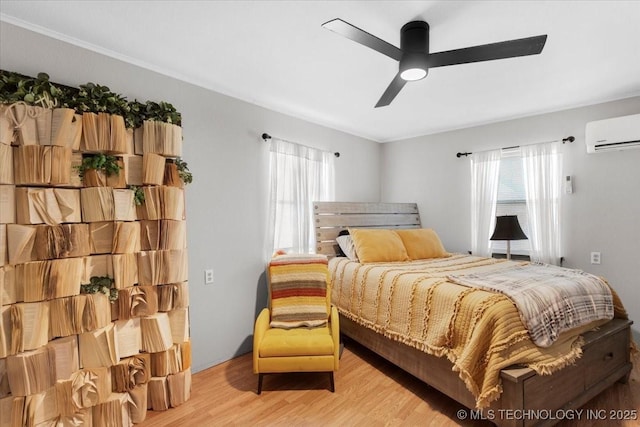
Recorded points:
(512, 200)
(298, 176)
(526, 182)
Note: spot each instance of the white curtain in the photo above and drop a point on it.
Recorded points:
(298, 176)
(542, 165)
(485, 169)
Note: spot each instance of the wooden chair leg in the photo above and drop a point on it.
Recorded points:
(332, 386)
(260, 376)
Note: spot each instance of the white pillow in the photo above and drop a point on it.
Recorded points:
(346, 244)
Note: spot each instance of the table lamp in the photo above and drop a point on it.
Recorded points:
(508, 228)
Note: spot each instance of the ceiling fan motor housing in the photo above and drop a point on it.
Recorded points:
(414, 43)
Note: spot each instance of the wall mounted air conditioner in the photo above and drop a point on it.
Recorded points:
(619, 133)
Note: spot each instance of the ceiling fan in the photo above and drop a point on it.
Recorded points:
(415, 58)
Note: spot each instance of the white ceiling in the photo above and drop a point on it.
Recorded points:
(275, 54)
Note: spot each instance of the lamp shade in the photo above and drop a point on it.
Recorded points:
(508, 228)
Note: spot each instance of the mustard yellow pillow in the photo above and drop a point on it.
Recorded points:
(378, 245)
(422, 243)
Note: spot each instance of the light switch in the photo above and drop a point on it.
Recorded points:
(208, 277)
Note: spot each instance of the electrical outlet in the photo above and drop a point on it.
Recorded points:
(208, 277)
(595, 257)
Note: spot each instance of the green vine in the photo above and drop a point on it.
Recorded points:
(15, 87)
(183, 171)
(162, 112)
(108, 164)
(135, 117)
(138, 194)
(89, 98)
(102, 284)
(95, 98)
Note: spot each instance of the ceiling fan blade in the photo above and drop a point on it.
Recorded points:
(392, 91)
(488, 52)
(360, 36)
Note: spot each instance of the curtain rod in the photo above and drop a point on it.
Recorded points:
(266, 137)
(564, 140)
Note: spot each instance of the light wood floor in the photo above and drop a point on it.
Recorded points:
(369, 392)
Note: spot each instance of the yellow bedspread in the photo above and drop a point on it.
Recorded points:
(479, 331)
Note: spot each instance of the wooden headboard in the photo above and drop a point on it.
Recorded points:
(332, 217)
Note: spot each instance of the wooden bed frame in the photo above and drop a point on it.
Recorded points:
(605, 359)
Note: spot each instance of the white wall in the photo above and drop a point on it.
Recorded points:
(226, 202)
(603, 213)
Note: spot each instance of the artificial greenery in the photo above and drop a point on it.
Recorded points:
(95, 98)
(15, 87)
(106, 163)
(138, 194)
(102, 284)
(183, 171)
(136, 115)
(90, 98)
(47, 94)
(162, 112)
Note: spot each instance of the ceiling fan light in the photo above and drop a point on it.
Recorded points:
(413, 66)
(413, 74)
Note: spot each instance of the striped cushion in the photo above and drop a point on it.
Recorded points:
(298, 291)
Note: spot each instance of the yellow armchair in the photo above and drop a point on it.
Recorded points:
(295, 349)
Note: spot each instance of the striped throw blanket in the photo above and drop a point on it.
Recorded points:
(298, 290)
(550, 299)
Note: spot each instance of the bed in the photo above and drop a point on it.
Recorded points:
(564, 376)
